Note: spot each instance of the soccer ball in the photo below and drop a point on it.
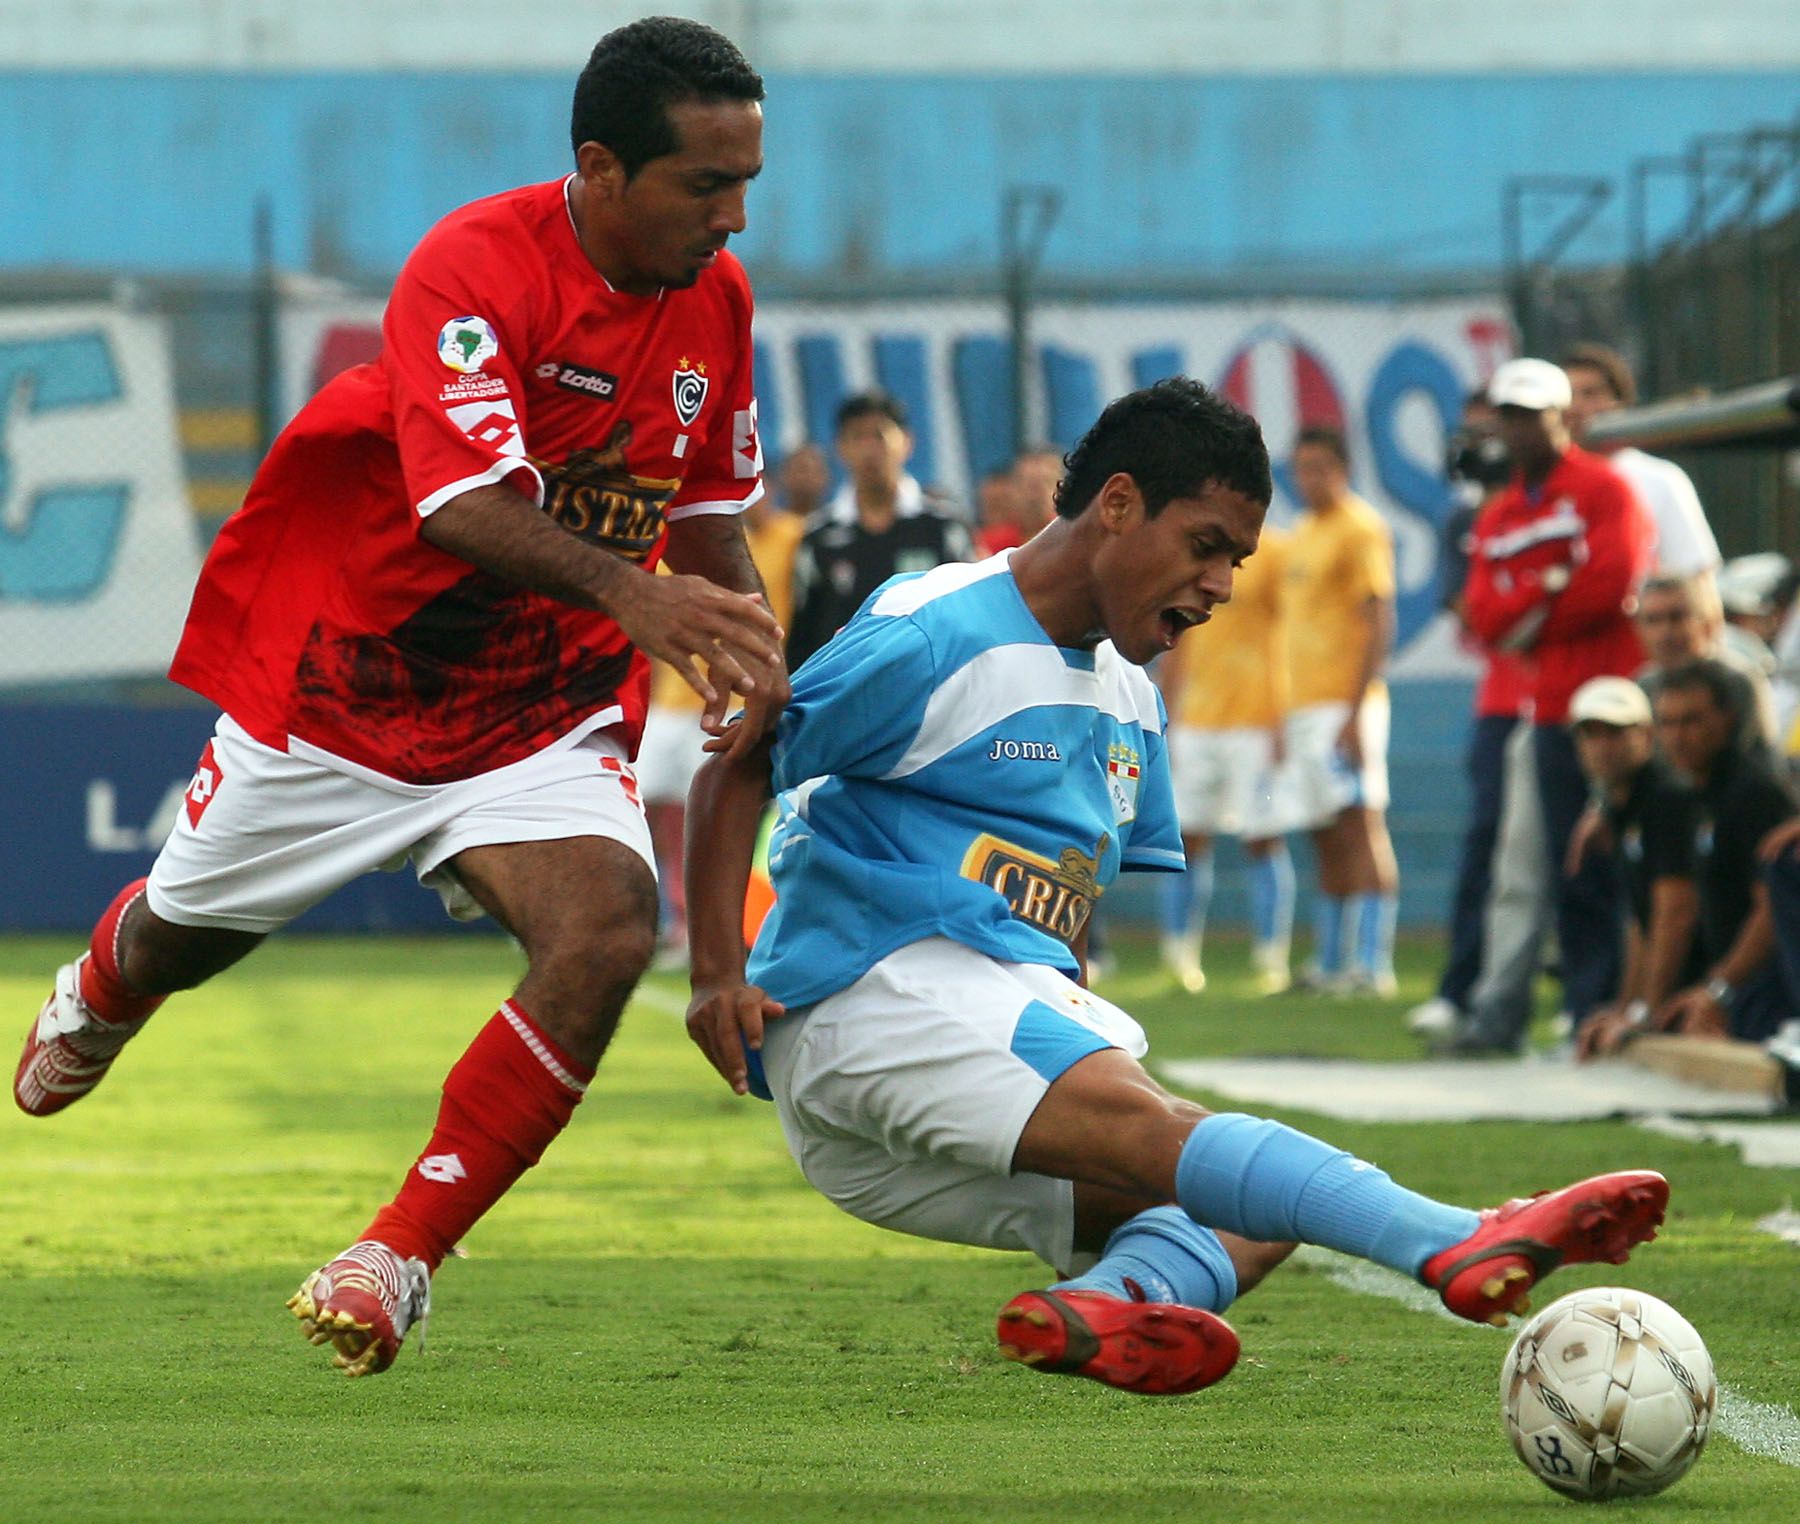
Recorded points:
(1608, 1393)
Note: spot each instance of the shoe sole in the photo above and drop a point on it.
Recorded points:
(359, 1347)
(1603, 1229)
(1159, 1350)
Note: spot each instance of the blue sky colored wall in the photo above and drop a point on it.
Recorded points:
(155, 173)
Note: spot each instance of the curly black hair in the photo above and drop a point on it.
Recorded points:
(637, 72)
(1173, 439)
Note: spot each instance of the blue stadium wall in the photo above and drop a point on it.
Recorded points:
(875, 175)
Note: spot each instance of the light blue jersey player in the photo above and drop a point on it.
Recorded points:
(961, 772)
(947, 770)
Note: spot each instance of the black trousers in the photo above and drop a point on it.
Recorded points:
(1589, 916)
(1485, 765)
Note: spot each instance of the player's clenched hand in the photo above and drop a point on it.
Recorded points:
(687, 620)
(726, 1019)
(755, 722)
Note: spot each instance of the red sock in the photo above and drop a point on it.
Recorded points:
(103, 987)
(506, 1098)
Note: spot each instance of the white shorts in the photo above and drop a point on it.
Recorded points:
(1324, 784)
(1227, 783)
(265, 835)
(669, 754)
(903, 1097)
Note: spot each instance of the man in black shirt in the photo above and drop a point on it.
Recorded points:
(1740, 801)
(880, 523)
(1650, 815)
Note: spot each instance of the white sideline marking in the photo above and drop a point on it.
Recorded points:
(1762, 1145)
(1450, 1090)
(1783, 1224)
(1758, 1428)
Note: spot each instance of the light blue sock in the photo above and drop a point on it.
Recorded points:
(1177, 892)
(1266, 1181)
(1170, 1256)
(1328, 934)
(1272, 896)
(1375, 916)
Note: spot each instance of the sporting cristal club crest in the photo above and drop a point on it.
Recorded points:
(690, 385)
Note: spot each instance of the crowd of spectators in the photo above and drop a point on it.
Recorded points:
(1641, 677)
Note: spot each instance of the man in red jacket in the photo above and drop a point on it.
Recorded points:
(1554, 571)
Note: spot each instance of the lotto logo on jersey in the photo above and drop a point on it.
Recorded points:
(493, 424)
(467, 343)
(204, 786)
(690, 386)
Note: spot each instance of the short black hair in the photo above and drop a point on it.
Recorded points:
(637, 72)
(1173, 439)
(1711, 677)
(1326, 438)
(1614, 369)
(867, 405)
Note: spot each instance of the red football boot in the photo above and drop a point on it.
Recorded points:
(1158, 1348)
(362, 1303)
(1487, 1275)
(68, 1049)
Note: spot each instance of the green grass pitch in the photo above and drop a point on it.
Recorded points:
(663, 1322)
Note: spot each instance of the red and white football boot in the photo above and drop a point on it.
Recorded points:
(1157, 1348)
(1486, 1276)
(68, 1049)
(362, 1303)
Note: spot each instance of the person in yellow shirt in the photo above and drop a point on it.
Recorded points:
(671, 750)
(1226, 689)
(1340, 588)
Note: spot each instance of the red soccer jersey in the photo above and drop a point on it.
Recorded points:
(323, 620)
(1553, 573)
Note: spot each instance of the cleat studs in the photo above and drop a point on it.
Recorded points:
(1012, 1314)
(1492, 1287)
(1032, 1357)
(1496, 1319)
(1037, 1319)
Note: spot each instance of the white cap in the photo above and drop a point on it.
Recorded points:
(1749, 584)
(1611, 701)
(1534, 384)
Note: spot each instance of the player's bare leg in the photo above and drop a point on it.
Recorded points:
(135, 960)
(584, 910)
(1106, 1122)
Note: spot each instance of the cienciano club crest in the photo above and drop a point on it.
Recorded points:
(690, 385)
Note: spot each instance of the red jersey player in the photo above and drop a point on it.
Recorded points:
(425, 630)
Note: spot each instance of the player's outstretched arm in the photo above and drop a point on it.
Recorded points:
(713, 546)
(724, 812)
(678, 619)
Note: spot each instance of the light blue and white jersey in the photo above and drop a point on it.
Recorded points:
(945, 769)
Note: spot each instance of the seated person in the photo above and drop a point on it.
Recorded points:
(1740, 801)
(1649, 815)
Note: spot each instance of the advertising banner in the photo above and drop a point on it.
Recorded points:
(1391, 376)
(98, 554)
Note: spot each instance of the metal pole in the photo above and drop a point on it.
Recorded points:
(1027, 213)
(263, 304)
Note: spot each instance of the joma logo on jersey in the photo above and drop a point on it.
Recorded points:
(1023, 751)
(1056, 897)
